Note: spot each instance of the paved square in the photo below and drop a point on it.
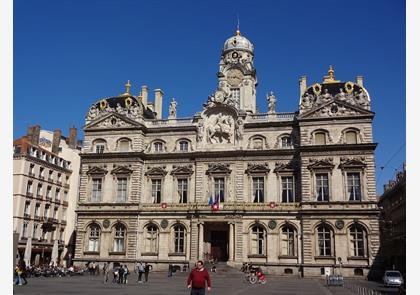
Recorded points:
(159, 283)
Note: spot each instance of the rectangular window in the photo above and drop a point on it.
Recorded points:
(57, 194)
(64, 214)
(287, 189)
(353, 187)
(183, 146)
(46, 211)
(27, 208)
(100, 148)
(38, 190)
(219, 190)
(322, 187)
(37, 206)
(50, 175)
(31, 169)
(96, 189)
(65, 196)
(157, 190)
(35, 231)
(29, 187)
(258, 189)
(41, 172)
(121, 190)
(183, 190)
(236, 95)
(55, 213)
(24, 229)
(48, 192)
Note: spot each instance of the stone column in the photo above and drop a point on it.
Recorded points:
(231, 241)
(200, 240)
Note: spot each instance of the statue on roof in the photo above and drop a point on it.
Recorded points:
(172, 109)
(271, 98)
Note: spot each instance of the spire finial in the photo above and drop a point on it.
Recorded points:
(127, 87)
(238, 32)
(330, 78)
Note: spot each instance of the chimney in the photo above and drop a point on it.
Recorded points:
(56, 141)
(302, 85)
(158, 103)
(359, 80)
(33, 134)
(73, 137)
(144, 95)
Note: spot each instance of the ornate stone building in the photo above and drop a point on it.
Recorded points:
(45, 182)
(293, 192)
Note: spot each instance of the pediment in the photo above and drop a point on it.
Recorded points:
(321, 164)
(284, 167)
(348, 163)
(96, 171)
(257, 168)
(112, 121)
(335, 108)
(156, 171)
(121, 170)
(218, 169)
(182, 170)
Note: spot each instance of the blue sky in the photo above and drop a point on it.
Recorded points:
(68, 54)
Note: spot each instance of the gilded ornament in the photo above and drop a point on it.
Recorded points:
(317, 89)
(103, 104)
(128, 102)
(349, 86)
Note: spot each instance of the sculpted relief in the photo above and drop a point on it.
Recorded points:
(220, 128)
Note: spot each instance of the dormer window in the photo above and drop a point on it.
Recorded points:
(258, 144)
(100, 147)
(124, 145)
(320, 138)
(183, 146)
(158, 147)
(286, 142)
(351, 137)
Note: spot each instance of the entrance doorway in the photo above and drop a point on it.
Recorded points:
(216, 241)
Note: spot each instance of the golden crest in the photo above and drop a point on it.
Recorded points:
(103, 104)
(349, 86)
(128, 102)
(317, 89)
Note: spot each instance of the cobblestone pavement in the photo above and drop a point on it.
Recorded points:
(158, 284)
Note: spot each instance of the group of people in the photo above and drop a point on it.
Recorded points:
(120, 272)
(20, 274)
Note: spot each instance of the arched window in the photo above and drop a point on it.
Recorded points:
(183, 146)
(320, 138)
(152, 239)
(179, 239)
(358, 241)
(123, 145)
(258, 240)
(287, 241)
(257, 143)
(286, 142)
(99, 146)
(324, 241)
(158, 147)
(119, 238)
(351, 137)
(94, 233)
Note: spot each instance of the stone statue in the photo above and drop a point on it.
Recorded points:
(200, 132)
(172, 109)
(93, 113)
(119, 108)
(239, 129)
(307, 101)
(271, 103)
(134, 111)
(221, 130)
(362, 99)
(341, 95)
(326, 96)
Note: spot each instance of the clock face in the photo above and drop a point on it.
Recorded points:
(234, 77)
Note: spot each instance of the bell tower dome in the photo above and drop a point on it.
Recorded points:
(237, 75)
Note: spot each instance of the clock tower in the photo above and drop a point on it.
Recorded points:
(237, 75)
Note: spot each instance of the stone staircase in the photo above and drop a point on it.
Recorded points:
(222, 269)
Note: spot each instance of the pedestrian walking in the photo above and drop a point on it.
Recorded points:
(120, 274)
(125, 274)
(170, 270)
(105, 270)
(140, 272)
(198, 278)
(147, 269)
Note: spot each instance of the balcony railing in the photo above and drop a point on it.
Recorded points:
(41, 177)
(26, 215)
(66, 185)
(38, 197)
(63, 222)
(59, 182)
(31, 174)
(48, 198)
(29, 194)
(38, 218)
(65, 203)
(54, 220)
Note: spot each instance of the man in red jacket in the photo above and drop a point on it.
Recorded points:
(197, 280)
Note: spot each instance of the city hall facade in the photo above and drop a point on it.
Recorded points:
(292, 192)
